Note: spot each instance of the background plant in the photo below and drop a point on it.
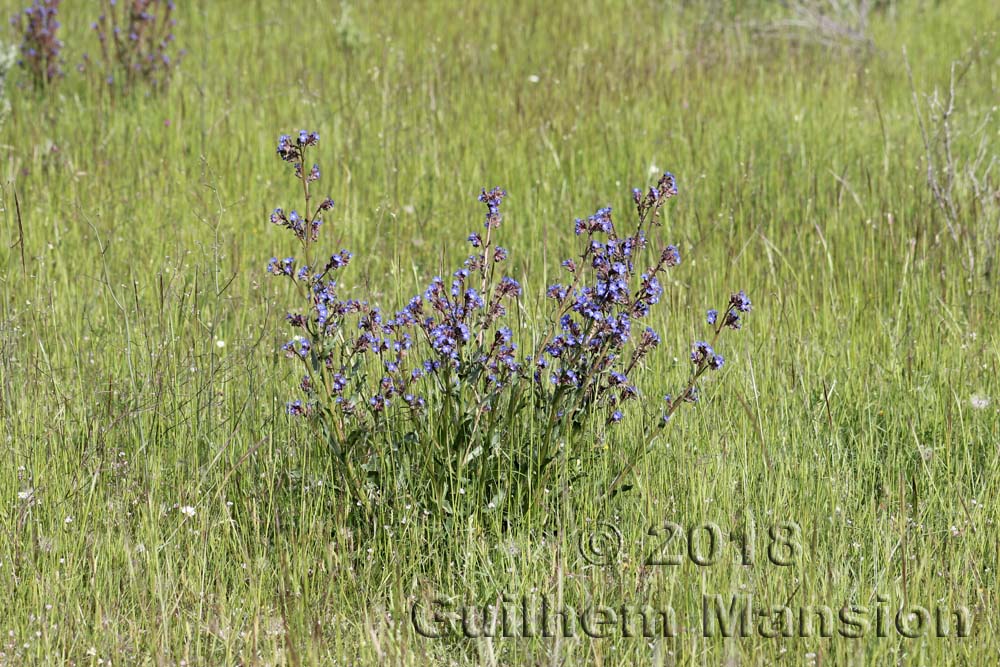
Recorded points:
(959, 179)
(137, 43)
(39, 52)
(830, 23)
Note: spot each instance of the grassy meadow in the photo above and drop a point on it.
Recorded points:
(158, 506)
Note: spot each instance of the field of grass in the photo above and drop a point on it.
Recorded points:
(139, 335)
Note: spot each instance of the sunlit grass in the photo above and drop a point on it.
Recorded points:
(139, 374)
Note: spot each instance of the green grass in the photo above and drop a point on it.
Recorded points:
(845, 405)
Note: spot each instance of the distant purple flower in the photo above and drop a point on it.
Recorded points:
(144, 52)
(492, 199)
(712, 316)
(38, 27)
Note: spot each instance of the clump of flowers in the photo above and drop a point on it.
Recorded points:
(38, 28)
(612, 287)
(439, 393)
(137, 42)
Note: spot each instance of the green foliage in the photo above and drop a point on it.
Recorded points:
(158, 504)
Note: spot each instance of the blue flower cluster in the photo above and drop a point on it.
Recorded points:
(361, 362)
(703, 354)
(38, 27)
(610, 291)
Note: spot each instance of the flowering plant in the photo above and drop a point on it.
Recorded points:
(438, 395)
(38, 26)
(136, 42)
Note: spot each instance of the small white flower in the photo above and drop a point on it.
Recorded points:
(654, 170)
(68, 520)
(534, 78)
(220, 343)
(187, 511)
(979, 402)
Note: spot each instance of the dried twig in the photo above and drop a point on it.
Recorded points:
(830, 23)
(947, 177)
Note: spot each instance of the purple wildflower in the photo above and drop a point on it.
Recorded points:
(700, 352)
(144, 53)
(493, 199)
(40, 47)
